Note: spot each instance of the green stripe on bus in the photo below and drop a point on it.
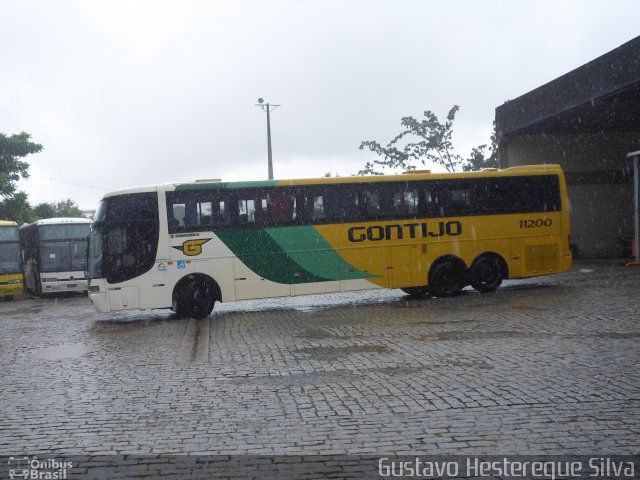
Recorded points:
(313, 253)
(289, 255)
(258, 251)
(225, 185)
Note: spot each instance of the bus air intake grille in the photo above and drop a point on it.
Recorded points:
(542, 258)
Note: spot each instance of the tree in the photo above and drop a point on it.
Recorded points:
(433, 144)
(12, 148)
(63, 208)
(17, 208)
(478, 161)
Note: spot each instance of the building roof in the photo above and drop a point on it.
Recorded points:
(600, 96)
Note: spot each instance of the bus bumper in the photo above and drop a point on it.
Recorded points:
(64, 286)
(9, 289)
(99, 301)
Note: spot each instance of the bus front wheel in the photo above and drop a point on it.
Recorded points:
(195, 296)
(447, 278)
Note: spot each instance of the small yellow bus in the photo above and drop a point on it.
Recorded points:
(187, 245)
(11, 278)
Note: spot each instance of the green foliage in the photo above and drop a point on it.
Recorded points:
(17, 208)
(63, 208)
(426, 141)
(12, 148)
(14, 205)
(478, 160)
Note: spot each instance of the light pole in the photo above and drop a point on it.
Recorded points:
(267, 107)
(635, 157)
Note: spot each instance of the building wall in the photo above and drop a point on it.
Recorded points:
(599, 178)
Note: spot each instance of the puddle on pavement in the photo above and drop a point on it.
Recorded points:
(316, 334)
(400, 371)
(617, 335)
(126, 326)
(63, 352)
(443, 322)
(333, 352)
(529, 308)
(462, 335)
(300, 379)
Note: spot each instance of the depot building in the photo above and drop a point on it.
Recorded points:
(588, 121)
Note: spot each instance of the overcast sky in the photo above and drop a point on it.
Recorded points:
(127, 93)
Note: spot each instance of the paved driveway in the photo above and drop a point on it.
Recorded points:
(548, 365)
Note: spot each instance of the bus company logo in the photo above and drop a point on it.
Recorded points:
(192, 247)
(28, 468)
(375, 233)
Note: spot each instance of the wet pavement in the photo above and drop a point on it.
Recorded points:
(548, 366)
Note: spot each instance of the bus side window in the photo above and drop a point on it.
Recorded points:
(222, 212)
(190, 214)
(246, 211)
(342, 205)
(309, 207)
(430, 202)
(282, 208)
(406, 202)
(204, 214)
(318, 208)
(176, 216)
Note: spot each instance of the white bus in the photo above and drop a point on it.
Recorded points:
(185, 246)
(54, 255)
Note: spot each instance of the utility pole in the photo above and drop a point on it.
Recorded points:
(635, 157)
(267, 107)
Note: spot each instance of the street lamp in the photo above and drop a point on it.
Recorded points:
(267, 107)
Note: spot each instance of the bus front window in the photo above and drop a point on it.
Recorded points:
(10, 258)
(124, 239)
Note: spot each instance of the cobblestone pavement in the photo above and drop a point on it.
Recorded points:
(547, 365)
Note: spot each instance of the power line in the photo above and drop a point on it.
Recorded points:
(64, 193)
(71, 183)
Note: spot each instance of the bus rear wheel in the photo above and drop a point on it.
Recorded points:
(486, 273)
(195, 297)
(447, 278)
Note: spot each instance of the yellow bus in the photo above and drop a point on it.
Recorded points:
(11, 278)
(187, 245)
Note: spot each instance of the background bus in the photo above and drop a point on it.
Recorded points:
(185, 246)
(11, 277)
(54, 253)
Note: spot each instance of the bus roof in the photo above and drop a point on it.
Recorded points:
(58, 221)
(216, 184)
(8, 223)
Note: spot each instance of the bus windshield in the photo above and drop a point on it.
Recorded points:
(124, 238)
(9, 234)
(63, 247)
(62, 256)
(10, 257)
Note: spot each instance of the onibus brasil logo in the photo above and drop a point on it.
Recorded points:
(34, 468)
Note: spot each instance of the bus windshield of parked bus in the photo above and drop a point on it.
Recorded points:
(10, 250)
(63, 247)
